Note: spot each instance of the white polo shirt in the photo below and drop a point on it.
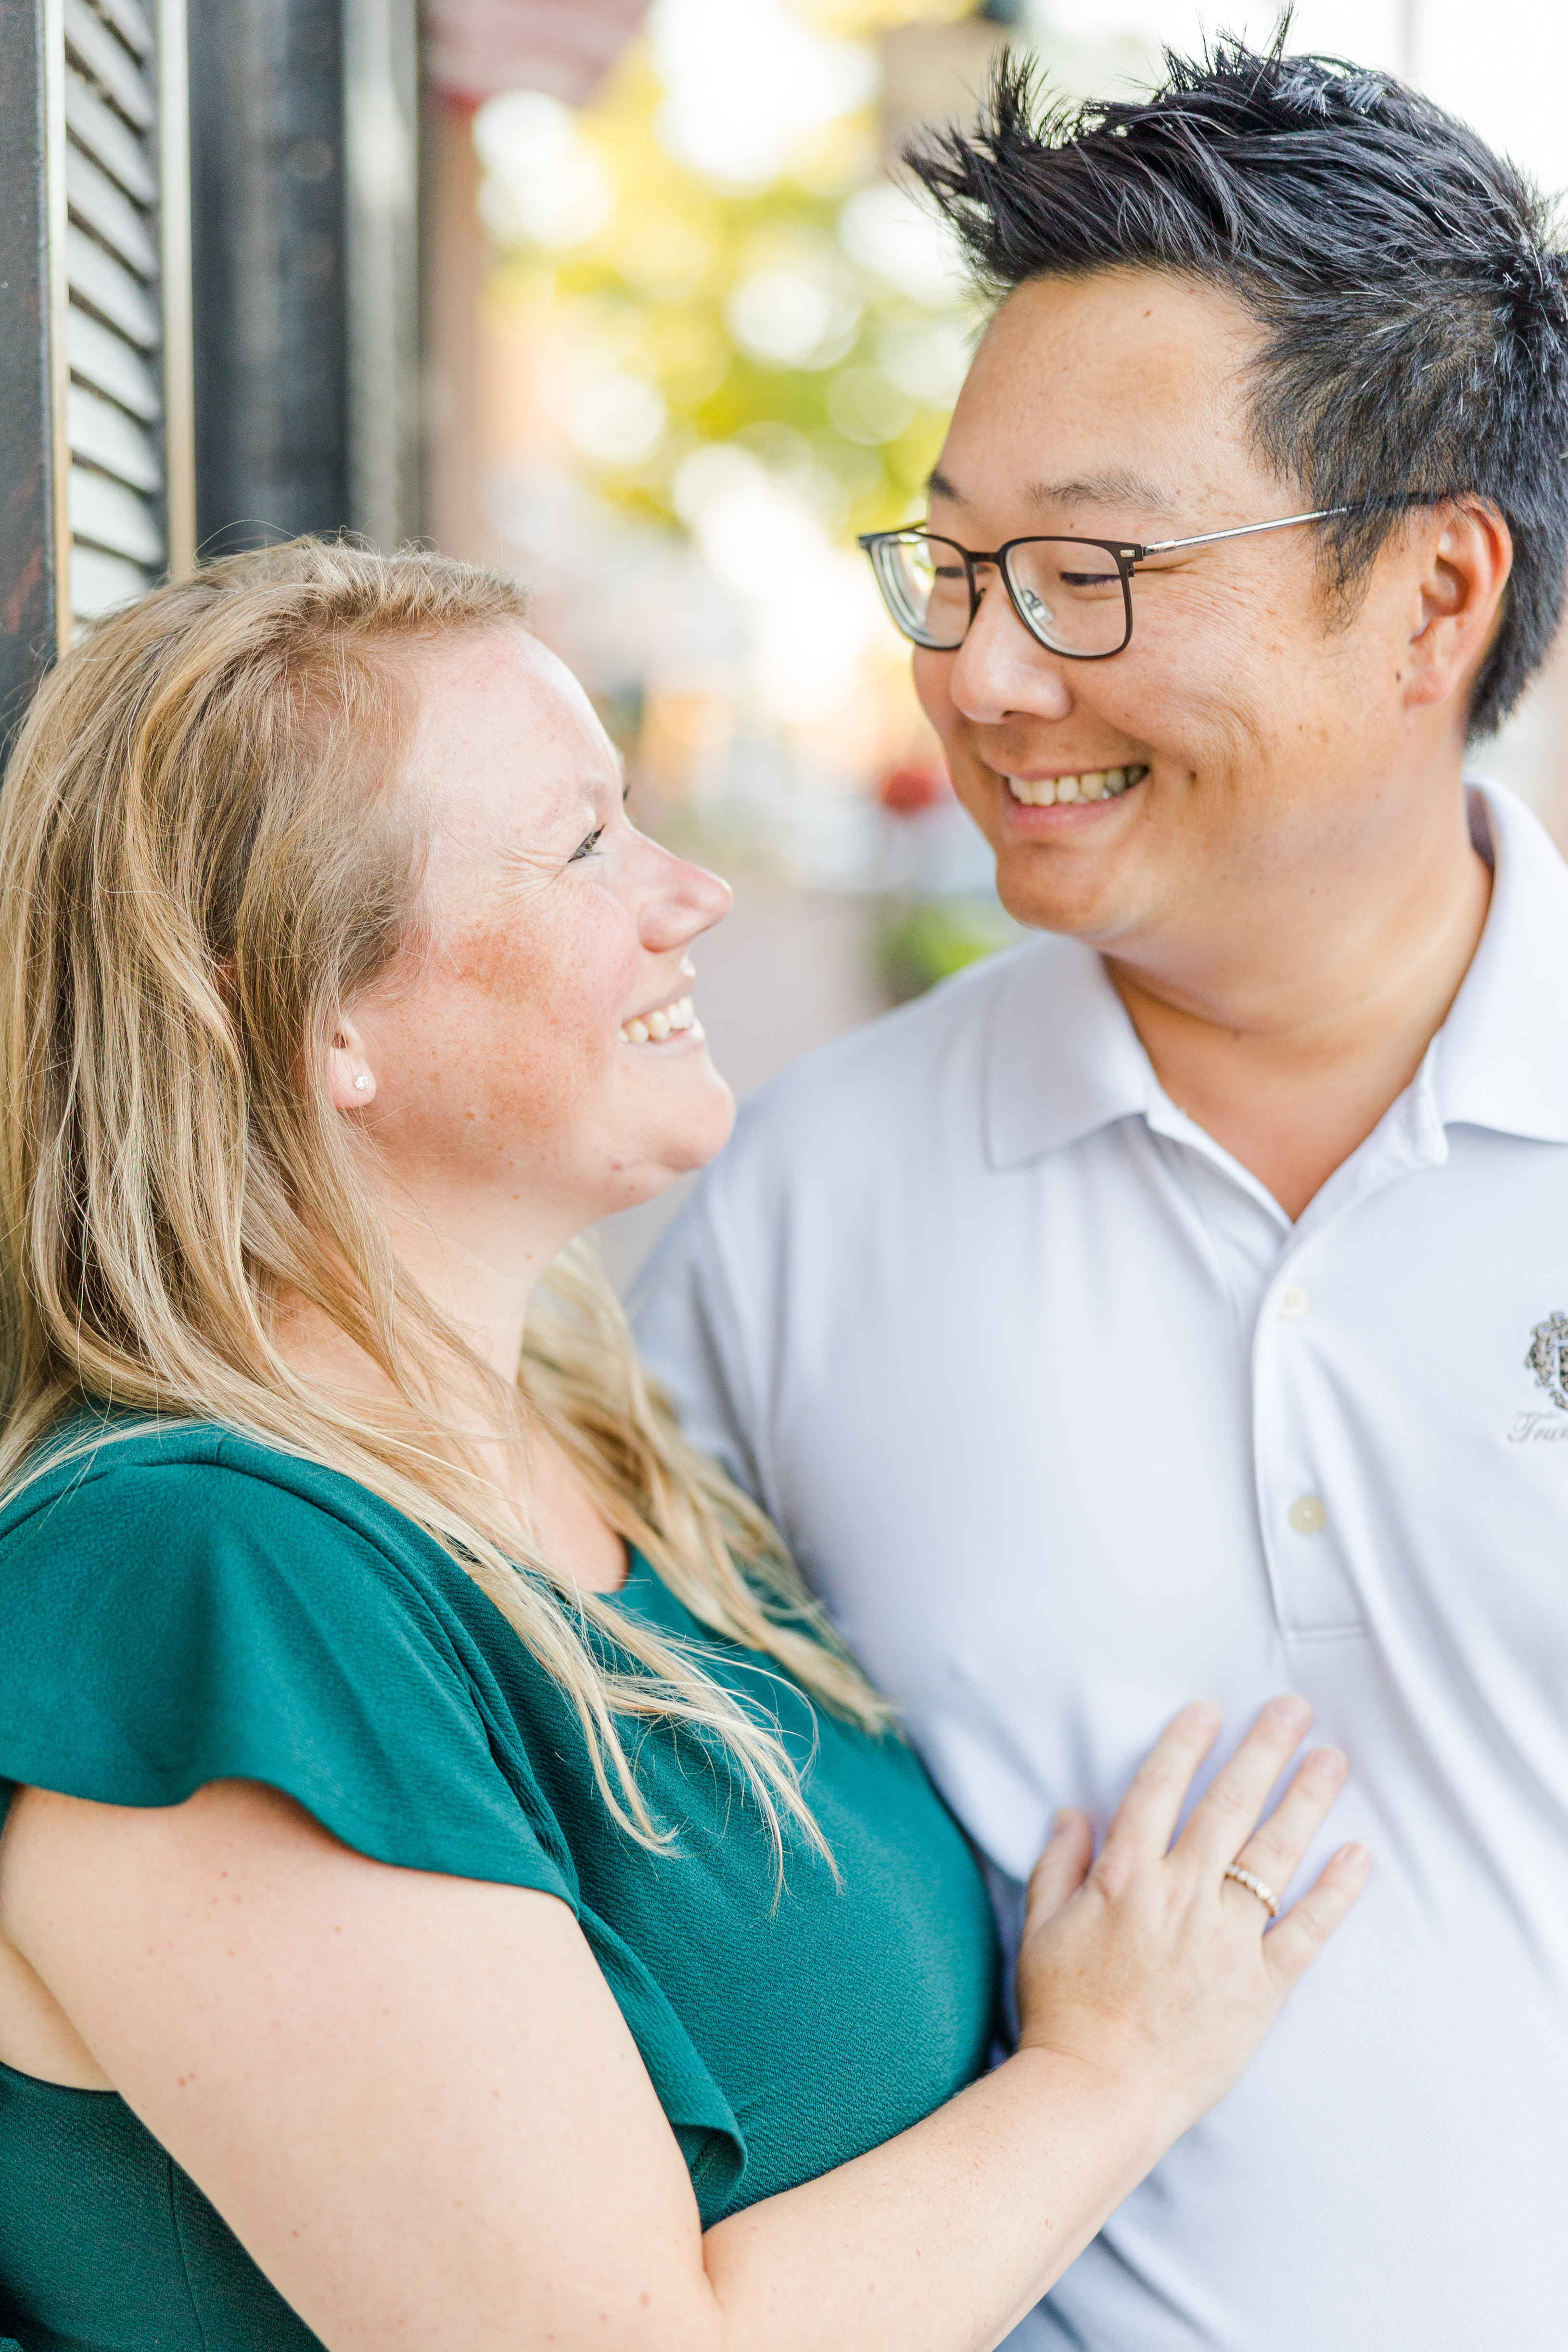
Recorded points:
(1070, 1423)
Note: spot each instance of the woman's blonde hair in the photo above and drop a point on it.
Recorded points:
(205, 850)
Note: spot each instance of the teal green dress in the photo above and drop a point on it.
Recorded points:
(187, 1607)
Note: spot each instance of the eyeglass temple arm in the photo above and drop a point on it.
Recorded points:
(1243, 530)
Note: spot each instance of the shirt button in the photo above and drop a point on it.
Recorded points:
(1294, 1301)
(1307, 1514)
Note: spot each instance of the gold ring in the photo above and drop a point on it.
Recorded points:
(1266, 1894)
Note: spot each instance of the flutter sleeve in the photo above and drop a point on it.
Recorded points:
(167, 1622)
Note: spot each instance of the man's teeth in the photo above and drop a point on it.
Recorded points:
(657, 1026)
(1097, 785)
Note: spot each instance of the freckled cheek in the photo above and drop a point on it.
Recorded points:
(509, 1030)
(532, 984)
(473, 1091)
(461, 1060)
(535, 1074)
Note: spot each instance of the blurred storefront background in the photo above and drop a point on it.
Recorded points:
(691, 333)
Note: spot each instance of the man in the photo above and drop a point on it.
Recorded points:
(1178, 1305)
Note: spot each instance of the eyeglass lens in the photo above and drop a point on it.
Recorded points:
(1071, 593)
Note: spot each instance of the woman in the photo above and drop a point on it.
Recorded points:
(402, 1943)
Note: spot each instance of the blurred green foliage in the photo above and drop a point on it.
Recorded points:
(655, 293)
(921, 942)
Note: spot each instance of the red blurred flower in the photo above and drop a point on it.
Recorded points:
(906, 791)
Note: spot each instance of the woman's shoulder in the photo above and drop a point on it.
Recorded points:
(128, 1506)
(94, 1468)
(182, 1604)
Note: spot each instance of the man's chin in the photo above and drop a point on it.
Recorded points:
(1078, 907)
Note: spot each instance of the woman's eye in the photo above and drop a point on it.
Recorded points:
(586, 848)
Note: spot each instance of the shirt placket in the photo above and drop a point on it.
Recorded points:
(1304, 1522)
(1279, 1276)
(1301, 1519)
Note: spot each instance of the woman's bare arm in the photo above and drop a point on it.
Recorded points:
(417, 2104)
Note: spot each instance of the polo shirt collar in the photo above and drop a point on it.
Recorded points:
(1500, 1059)
(1063, 1059)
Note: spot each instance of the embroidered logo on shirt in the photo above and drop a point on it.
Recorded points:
(1548, 1358)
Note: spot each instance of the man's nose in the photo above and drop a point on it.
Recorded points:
(1000, 670)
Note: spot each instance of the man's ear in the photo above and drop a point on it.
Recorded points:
(350, 1081)
(1467, 555)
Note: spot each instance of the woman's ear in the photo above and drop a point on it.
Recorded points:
(1464, 580)
(350, 1081)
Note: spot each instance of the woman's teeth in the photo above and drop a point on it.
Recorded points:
(1097, 785)
(657, 1026)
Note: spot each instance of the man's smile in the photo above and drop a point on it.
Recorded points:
(1087, 784)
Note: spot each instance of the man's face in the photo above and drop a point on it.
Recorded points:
(1270, 732)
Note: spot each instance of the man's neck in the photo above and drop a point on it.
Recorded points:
(1289, 1058)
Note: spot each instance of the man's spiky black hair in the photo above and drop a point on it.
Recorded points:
(1407, 280)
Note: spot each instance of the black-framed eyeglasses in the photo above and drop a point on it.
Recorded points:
(1074, 596)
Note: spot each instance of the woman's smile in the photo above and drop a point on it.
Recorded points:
(662, 1024)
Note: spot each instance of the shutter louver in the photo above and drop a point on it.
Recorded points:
(118, 320)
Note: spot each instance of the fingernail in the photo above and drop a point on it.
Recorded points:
(1291, 1708)
(1329, 1763)
(1059, 1824)
(1355, 1857)
(1199, 1710)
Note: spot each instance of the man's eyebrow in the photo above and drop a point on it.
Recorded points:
(1113, 486)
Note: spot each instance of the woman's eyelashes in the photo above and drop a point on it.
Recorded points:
(586, 848)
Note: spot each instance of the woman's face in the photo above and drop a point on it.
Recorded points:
(529, 1067)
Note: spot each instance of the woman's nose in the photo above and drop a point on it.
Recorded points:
(687, 900)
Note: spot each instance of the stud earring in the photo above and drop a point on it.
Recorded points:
(360, 1082)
